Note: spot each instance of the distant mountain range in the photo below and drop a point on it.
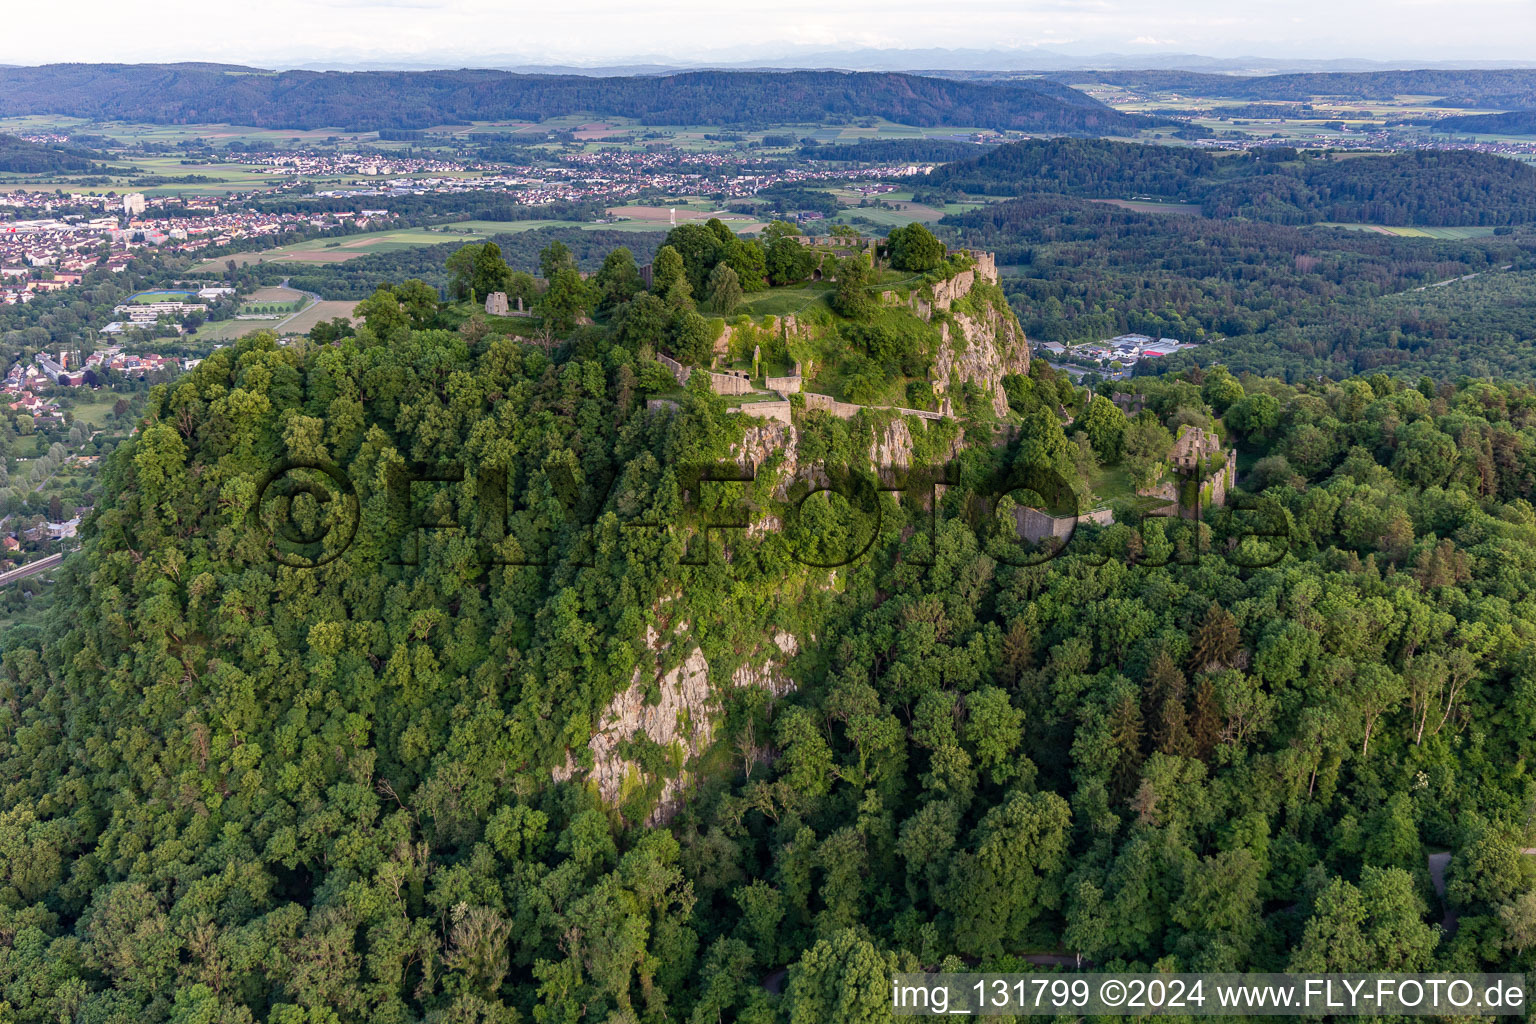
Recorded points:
(1508, 88)
(934, 60)
(1038, 102)
(202, 94)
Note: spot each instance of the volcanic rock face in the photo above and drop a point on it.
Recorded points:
(681, 719)
(983, 349)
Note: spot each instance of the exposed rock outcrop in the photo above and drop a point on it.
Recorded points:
(682, 719)
(947, 293)
(769, 675)
(982, 350)
(892, 445)
(760, 441)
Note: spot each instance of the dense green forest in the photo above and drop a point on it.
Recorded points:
(25, 157)
(1482, 327)
(891, 150)
(1503, 87)
(1515, 122)
(199, 94)
(1280, 185)
(1286, 301)
(234, 787)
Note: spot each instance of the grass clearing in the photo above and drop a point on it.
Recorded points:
(275, 294)
(784, 301)
(224, 331)
(323, 311)
(94, 410)
(1409, 231)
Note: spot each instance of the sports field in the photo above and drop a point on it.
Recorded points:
(275, 294)
(164, 295)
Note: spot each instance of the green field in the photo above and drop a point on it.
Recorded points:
(94, 408)
(146, 298)
(325, 310)
(1414, 232)
(783, 301)
(338, 250)
(225, 330)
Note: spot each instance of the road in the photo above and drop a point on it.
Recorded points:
(313, 298)
(31, 569)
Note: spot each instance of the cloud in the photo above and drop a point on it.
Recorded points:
(461, 32)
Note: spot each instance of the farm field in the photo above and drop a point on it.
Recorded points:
(346, 247)
(318, 312)
(904, 214)
(590, 135)
(1451, 233)
(1333, 121)
(225, 330)
(654, 218)
(1151, 206)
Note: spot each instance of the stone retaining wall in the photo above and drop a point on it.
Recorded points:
(1034, 525)
(777, 411)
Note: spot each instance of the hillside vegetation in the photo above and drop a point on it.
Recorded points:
(1278, 185)
(1514, 122)
(194, 94)
(1504, 87)
(425, 673)
(1290, 302)
(19, 155)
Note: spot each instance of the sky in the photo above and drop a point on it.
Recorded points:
(458, 33)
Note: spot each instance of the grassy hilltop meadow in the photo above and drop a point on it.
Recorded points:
(696, 608)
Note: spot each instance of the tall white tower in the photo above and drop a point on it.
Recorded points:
(674, 216)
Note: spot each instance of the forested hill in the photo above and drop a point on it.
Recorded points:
(184, 94)
(1280, 185)
(25, 157)
(1514, 122)
(342, 788)
(1511, 87)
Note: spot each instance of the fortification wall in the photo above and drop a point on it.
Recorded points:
(826, 403)
(679, 371)
(779, 412)
(784, 385)
(986, 265)
(729, 384)
(1034, 525)
(847, 410)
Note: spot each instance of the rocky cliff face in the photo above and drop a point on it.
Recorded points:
(944, 294)
(982, 349)
(682, 719)
(760, 441)
(890, 446)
